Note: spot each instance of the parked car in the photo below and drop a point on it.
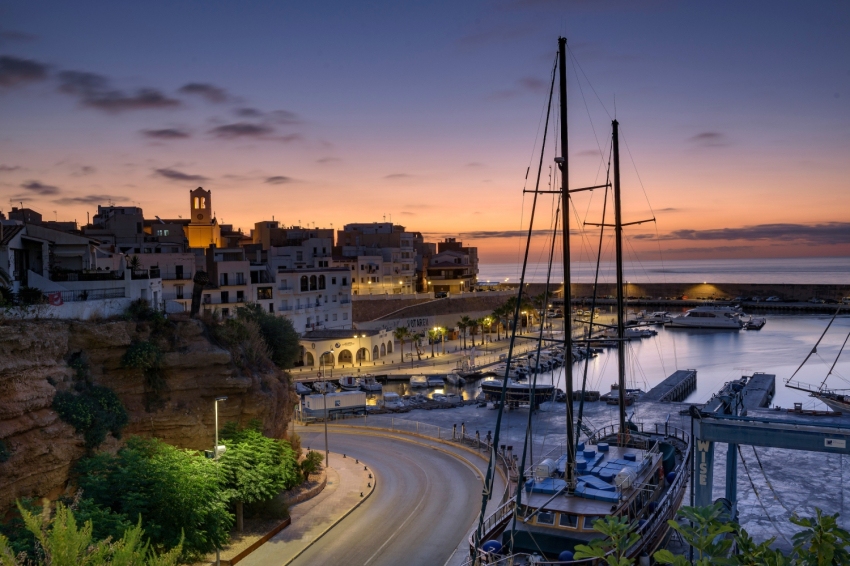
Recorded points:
(441, 295)
(773, 300)
(831, 301)
(816, 301)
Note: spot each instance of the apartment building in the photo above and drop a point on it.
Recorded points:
(453, 269)
(380, 256)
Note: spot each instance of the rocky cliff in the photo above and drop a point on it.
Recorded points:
(40, 449)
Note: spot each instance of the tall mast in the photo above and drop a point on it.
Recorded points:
(563, 162)
(621, 310)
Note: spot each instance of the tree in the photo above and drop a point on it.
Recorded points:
(417, 340)
(62, 543)
(256, 468)
(822, 541)
(612, 550)
(134, 264)
(474, 327)
(171, 490)
(463, 324)
(433, 334)
(278, 333)
(401, 334)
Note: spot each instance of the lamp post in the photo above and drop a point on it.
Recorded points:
(215, 457)
(325, 401)
(443, 339)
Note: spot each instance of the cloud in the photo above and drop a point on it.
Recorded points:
(524, 85)
(275, 116)
(95, 91)
(485, 234)
(211, 93)
(15, 71)
(84, 170)
(709, 139)
(239, 130)
(669, 209)
(328, 160)
(12, 35)
(474, 164)
(405, 213)
(820, 234)
(710, 249)
(174, 175)
(40, 188)
(532, 84)
(278, 180)
(248, 113)
(88, 199)
(398, 176)
(587, 153)
(166, 134)
(9, 168)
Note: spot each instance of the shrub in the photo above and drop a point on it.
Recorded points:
(145, 356)
(277, 331)
(94, 412)
(31, 296)
(311, 463)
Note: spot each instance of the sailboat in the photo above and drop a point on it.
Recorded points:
(619, 470)
(835, 399)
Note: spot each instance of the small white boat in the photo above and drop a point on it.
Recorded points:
(455, 379)
(418, 381)
(369, 383)
(349, 383)
(392, 401)
(657, 317)
(436, 381)
(323, 387)
(302, 389)
(709, 316)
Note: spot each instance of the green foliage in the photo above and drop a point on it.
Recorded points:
(94, 412)
(140, 310)
(145, 356)
(31, 296)
(277, 331)
(80, 366)
(704, 531)
(61, 542)
(15, 531)
(171, 490)
(401, 334)
(822, 541)
(620, 536)
(311, 463)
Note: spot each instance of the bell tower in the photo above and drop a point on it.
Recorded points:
(200, 205)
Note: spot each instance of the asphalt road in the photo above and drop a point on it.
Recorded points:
(423, 505)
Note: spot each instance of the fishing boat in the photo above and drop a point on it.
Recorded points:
(392, 401)
(516, 392)
(418, 381)
(323, 387)
(349, 383)
(709, 316)
(836, 399)
(657, 317)
(620, 470)
(369, 383)
(455, 378)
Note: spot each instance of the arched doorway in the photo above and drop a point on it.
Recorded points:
(362, 355)
(390, 347)
(383, 350)
(375, 353)
(345, 357)
(308, 359)
(327, 359)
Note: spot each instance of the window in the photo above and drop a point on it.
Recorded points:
(321, 282)
(568, 520)
(200, 202)
(304, 283)
(162, 232)
(545, 518)
(333, 298)
(345, 281)
(225, 297)
(179, 291)
(345, 316)
(271, 307)
(264, 293)
(362, 279)
(299, 256)
(589, 520)
(315, 251)
(240, 296)
(313, 286)
(326, 318)
(223, 279)
(334, 316)
(178, 272)
(333, 280)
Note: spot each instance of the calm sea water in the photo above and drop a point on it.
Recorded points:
(718, 356)
(823, 270)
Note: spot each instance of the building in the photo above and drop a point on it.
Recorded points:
(229, 273)
(380, 256)
(342, 349)
(203, 229)
(453, 269)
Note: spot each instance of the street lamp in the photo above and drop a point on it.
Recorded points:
(359, 355)
(215, 457)
(325, 401)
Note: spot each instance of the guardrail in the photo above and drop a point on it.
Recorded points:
(91, 294)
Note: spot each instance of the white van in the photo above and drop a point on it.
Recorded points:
(845, 300)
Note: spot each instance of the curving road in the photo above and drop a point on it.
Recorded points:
(423, 506)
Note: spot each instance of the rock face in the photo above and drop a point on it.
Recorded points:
(42, 449)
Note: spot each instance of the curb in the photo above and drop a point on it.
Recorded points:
(337, 521)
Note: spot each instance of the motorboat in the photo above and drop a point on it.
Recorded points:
(302, 389)
(349, 383)
(709, 316)
(455, 378)
(436, 381)
(518, 392)
(369, 383)
(657, 317)
(392, 401)
(323, 387)
(418, 381)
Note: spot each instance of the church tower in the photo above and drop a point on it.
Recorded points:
(200, 203)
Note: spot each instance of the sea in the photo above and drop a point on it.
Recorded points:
(806, 270)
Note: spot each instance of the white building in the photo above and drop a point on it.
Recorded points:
(314, 298)
(346, 348)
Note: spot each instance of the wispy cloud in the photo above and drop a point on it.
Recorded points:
(175, 175)
(278, 180)
(275, 116)
(15, 71)
(819, 234)
(398, 176)
(40, 188)
(242, 130)
(210, 93)
(9, 168)
(166, 134)
(709, 139)
(95, 91)
(83, 170)
(328, 160)
(88, 199)
(524, 85)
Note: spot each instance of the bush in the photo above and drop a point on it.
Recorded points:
(94, 412)
(145, 356)
(311, 463)
(31, 296)
(172, 490)
(245, 341)
(277, 331)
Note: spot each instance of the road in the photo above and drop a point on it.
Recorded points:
(423, 506)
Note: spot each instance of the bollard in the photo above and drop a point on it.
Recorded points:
(370, 476)
(361, 494)
(343, 455)
(365, 468)
(478, 440)
(462, 431)
(356, 461)
(454, 431)
(370, 484)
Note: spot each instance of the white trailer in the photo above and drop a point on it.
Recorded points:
(338, 404)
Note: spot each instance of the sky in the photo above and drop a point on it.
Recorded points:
(735, 116)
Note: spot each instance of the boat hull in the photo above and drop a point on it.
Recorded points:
(517, 393)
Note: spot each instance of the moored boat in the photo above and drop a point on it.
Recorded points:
(418, 381)
(369, 383)
(349, 383)
(719, 317)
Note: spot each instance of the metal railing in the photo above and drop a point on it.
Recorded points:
(174, 276)
(87, 276)
(91, 295)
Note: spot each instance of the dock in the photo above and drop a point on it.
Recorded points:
(759, 390)
(677, 387)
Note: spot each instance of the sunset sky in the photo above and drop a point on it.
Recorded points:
(735, 114)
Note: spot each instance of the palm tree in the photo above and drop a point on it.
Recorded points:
(416, 339)
(401, 334)
(464, 323)
(134, 263)
(474, 327)
(433, 334)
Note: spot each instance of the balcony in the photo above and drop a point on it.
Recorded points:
(90, 295)
(64, 275)
(175, 276)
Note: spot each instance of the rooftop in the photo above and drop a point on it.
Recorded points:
(332, 334)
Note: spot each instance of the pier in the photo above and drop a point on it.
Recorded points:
(677, 387)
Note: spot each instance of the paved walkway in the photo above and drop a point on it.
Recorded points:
(312, 518)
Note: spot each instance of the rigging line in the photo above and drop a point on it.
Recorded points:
(590, 84)
(592, 305)
(637, 173)
(835, 362)
(533, 392)
(758, 497)
(767, 481)
(589, 119)
(815, 348)
(489, 478)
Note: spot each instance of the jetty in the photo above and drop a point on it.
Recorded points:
(677, 387)
(757, 390)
